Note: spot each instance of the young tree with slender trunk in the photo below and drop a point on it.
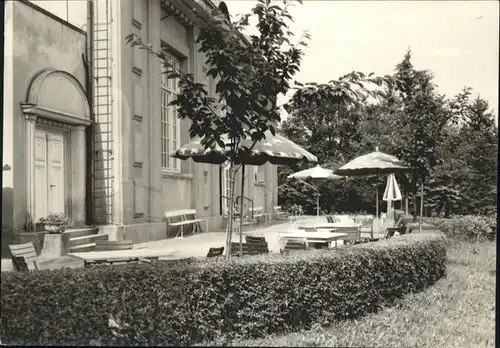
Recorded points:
(249, 73)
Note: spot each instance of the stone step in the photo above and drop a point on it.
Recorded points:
(86, 239)
(82, 248)
(80, 232)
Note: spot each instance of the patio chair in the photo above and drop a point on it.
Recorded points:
(294, 245)
(22, 256)
(390, 232)
(361, 241)
(353, 233)
(257, 244)
(215, 252)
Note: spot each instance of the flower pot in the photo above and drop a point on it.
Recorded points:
(54, 228)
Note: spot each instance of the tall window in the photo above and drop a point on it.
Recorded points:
(170, 123)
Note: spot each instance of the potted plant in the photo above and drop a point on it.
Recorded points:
(55, 223)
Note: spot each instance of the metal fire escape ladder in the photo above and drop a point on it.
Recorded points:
(103, 137)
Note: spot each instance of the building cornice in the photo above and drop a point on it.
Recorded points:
(31, 110)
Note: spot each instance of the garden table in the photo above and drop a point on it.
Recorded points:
(95, 257)
(313, 237)
(326, 225)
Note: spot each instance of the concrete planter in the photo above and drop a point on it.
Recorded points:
(53, 246)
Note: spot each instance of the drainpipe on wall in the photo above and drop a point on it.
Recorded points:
(89, 65)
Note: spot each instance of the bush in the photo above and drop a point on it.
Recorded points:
(140, 304)
(468, 227)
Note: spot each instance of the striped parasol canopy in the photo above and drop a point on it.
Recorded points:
(391, 194)
(317, 172)
(371, 164)
(392, 191)
(275, 149)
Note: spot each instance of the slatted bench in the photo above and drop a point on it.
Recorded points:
(23, 257)
(184, 217)
(192, 216)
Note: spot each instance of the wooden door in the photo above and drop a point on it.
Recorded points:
(55, 172)
(49, 173)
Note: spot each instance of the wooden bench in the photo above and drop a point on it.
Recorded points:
(215, 252)
(192, 216)
(23, 257)
(280, 214)
(182, 218)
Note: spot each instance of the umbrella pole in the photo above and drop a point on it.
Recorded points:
(421, 205)
(317, 200)
(376, 209)
(241, 206)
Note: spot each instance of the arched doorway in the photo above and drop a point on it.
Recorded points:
(56, 115)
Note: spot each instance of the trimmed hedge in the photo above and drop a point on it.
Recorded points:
(215, 300)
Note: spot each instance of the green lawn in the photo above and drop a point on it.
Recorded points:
(458, 311)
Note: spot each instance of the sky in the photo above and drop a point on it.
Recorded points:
(457, 40)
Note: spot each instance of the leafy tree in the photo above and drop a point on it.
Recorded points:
(326, 120)
(249, 74)
(478, 137)
(420, 122)
(449, 144)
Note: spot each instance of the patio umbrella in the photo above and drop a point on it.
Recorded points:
(317, 172)
(374, 163)
(275, 149)
(392, 193)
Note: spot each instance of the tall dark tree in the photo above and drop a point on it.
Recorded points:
(420, 123)
(479, 137)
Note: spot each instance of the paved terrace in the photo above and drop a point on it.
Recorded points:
(193, 246)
